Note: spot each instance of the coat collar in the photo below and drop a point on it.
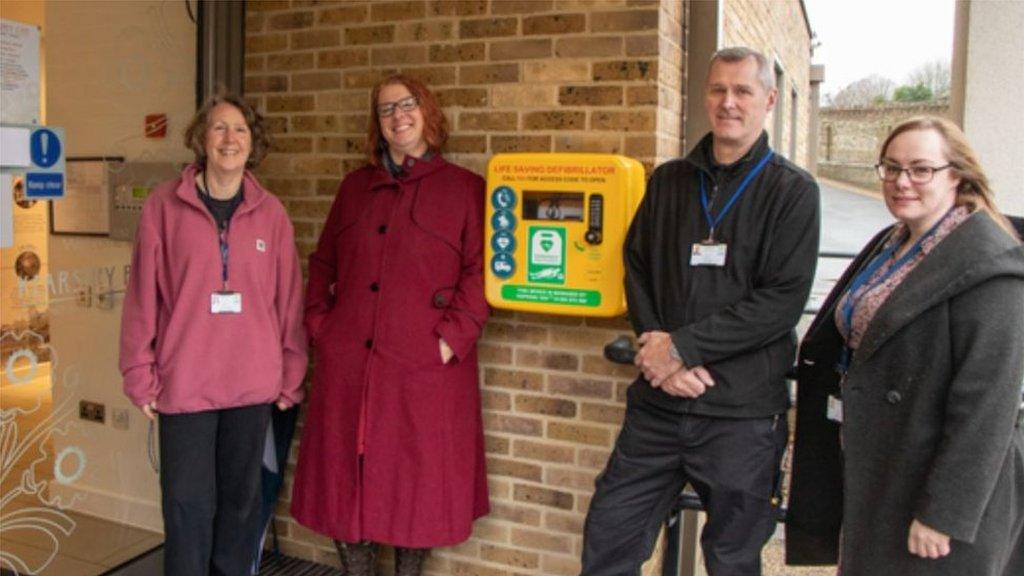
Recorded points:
(972, 253)
(702, 155)
(415, 169)
(253, 193)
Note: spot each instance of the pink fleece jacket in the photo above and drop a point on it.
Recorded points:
(173, 349)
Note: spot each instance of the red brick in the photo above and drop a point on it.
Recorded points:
(294, 144)
(589, 47)
(464, 97)
(290, 21)
(388, 11)
(465, 52)
(624, 21)
(642, 45)
(542, 496)
(290, 61)
(465, 144)
(519, 6)
(582, 387)
(370, 34)
(317, 39)
(629, 121)
(344, 14)
(347, 58)
(554, 120)
(488, 73)
(512, 424)
(625, 70)
(513, 379)
(394, 55)
(590, 95)
(433, 76)
(554, 24)
(431, 31)
(518, 333)
(290, 103)
(316, 81)
(503, 144)
(579, 433)
(509, 556)
(525, 538)
(545, 406)
(317, 123)
(496, 444)
(365, 78)
(458, 7)
(513, 513)
(276, 83)
(495, 400)
(520, 49)
(488, 27)
(513, 468)
(485, 121)
(257, 44)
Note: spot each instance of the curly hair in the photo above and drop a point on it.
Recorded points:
(435, 125)
(195, 134)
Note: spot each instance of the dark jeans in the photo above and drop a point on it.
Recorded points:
(731, 463)
(210, 478)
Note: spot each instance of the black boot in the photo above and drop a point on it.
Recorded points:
(409, 561)
(359, 559)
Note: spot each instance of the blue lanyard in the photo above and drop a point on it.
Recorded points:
(714, 222)
(223, 237)
(864, 280)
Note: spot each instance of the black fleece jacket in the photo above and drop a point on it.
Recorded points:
(736, 320)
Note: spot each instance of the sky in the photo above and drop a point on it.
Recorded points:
(890, 38)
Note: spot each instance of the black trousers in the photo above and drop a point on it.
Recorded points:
(210, 478)
(731, 463)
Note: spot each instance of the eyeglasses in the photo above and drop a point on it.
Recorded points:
(407, 104)
(917, 174)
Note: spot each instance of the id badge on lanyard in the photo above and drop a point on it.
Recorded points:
(225, 301)
(710, 252)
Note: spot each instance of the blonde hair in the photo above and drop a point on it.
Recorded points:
(974, 190)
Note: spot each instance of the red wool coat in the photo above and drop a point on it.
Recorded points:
(398, 266)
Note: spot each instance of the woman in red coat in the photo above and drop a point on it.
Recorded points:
(392, 449)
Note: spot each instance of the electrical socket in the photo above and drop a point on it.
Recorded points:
(119, 418)
(92, 411)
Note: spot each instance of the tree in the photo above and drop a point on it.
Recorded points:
(912, 93)
(864, 92)
(935, 75)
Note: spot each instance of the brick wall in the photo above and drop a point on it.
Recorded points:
(777, 28)
(529, 75)
(849, 138)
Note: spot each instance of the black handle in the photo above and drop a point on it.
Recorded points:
(620, 350)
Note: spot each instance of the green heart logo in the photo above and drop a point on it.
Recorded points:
(547, 245)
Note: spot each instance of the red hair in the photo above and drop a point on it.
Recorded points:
(435, 125)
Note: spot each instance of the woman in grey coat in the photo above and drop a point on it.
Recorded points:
(917, 361)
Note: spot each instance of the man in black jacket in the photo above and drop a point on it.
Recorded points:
(720, 259)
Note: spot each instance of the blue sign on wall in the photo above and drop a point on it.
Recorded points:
(46, 148)
(44, 179)
(44, 185)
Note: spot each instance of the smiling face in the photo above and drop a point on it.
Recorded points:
(919, 206)
(228, 140)
(403, 130)
(736, 103)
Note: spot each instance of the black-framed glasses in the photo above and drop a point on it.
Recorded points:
(407, 104)
(917, 174)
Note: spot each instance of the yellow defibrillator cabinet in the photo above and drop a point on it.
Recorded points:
(555, 228)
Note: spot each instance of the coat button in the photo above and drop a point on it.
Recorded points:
(382, 229)
(374, 287)
(893, 397)
(368, 343)
(410, 163)
(440, 301)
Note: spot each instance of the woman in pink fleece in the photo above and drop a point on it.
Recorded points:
(212, 337)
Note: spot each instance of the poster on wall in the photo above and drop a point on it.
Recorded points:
(85, 208)
(6, 210)
(19, 73)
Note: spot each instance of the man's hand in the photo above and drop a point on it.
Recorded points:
(654, 358)
(690, 383)
(150, 410)
(283, 404)
(927, 542)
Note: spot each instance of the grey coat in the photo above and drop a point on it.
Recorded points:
(930, 425)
